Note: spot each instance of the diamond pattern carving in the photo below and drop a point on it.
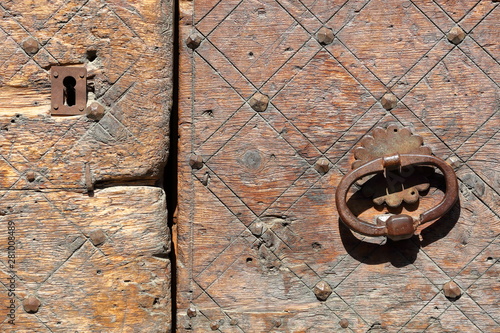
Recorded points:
(456, 8)
(261, 161)
(323, 99)
(325, 111)
(468, 94)
(484, 34)
(258, 55)
(394, 38)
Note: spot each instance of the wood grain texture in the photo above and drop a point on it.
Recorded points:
(127, 50)
(257, 225)
(67, 182)
(119, 285)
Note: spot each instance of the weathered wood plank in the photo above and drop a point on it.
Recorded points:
(257, 225)
(94, 263)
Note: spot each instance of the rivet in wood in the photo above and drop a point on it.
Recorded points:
(257, 228)
(97, 237)
(191, 312)
(233, 322)
(31, 304)
(214, 325)
(30, 176)
(30, 45)
(56, 107)
(389, 101)
(193, 41)
(95, 111)
(322, 165)
(259, 102)
(196, 161)
(344, 323)
(454, 161)
(456, 35)
(56, 74)
(325, 36)
(451, 290)
(277, 322)
(322, 290)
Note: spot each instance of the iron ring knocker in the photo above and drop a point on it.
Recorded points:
(401, 226)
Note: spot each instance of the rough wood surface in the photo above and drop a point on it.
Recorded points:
(58, 173)
(118, 282)
(127, 50)
(257, 224)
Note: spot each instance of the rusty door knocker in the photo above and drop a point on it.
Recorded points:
(389, 149)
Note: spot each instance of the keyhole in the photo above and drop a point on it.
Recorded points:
(69, 83)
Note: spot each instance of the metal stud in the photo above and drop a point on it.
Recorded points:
(193, 41)
(389, 101)
(325, 36)
(30, 45)
(259, 102)
(322, 290)
(196, 161)
(452, 290)
(322, 165)
(456, 35)
(95, 111)
(31, 304)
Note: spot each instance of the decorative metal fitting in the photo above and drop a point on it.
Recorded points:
(259, 102)
(97, 237)
(344, 323)
(30, 46)
(30, 176)
(322, 165)
(191, 312)
(196, 161)
(389, 101)
(214, 326)
(325, 36)
(452, 290)
(258, 228)
(31, 304)
(322, 290)
(456, 35)
(395, 154)
(69, 90)
(193, 41)
(95, 111)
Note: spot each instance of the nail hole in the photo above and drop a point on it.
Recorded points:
(98, 271)
(91, 55)
(250, 54)
(395, 130)
(316, 246)
(489, 259)
(249, 260)
(412, 192)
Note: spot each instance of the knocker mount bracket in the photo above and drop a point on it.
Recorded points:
(390, 152)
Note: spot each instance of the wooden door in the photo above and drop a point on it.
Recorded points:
(84, 240)
(274, 96)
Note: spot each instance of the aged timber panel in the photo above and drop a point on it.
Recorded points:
(274, 95)
(94, 255)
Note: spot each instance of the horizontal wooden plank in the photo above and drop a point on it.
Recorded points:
(94, 263)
